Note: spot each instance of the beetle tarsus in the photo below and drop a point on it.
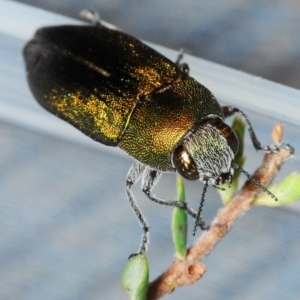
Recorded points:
(288, 147)
(91, 15)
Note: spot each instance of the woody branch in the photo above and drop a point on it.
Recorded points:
(188, 271)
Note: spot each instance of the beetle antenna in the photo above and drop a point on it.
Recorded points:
(198, 217)
(254, 181)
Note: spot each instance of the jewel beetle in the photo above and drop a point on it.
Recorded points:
(120, 92)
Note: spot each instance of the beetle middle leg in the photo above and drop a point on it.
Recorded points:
(134, 174)
(149, 179)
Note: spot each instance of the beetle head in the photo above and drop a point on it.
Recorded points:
(206, 152)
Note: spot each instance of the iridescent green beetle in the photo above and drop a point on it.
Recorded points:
(120, 92)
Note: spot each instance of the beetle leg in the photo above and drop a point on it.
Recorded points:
(184, 67)
(149, 179)
(179, 57)
(134, 174)
(91, 15)
(230, 110)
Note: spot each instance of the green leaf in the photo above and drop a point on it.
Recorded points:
(135, 277)
(179, 222)
(238, 126)
(287, 192)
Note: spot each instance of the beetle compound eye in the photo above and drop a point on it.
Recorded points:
(185, 164)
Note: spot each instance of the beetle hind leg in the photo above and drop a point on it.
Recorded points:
(91, 15)
(184, 67)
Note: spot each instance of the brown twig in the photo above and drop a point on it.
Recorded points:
(185, 272)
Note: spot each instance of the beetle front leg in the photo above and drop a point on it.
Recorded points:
(231, 110)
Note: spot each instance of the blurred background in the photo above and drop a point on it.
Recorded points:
(66, 226)
(257, 36)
